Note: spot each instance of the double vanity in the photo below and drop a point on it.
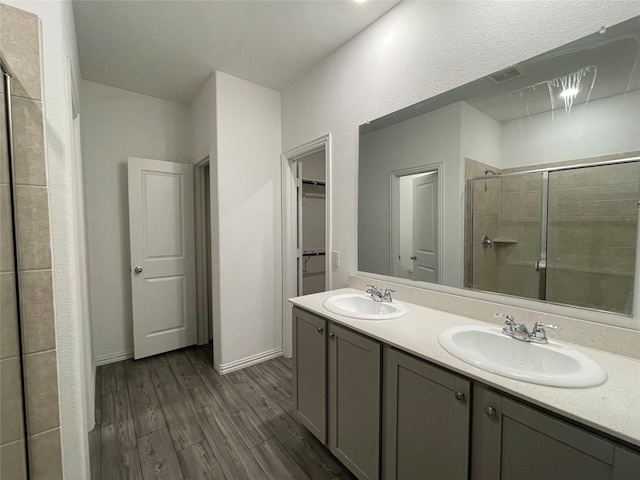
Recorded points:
(403, 391)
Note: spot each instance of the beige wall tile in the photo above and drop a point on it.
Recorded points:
(28, 148)
(601, 175)
(34, 244)
(531, 204)
(517, 280)
(44, 456)
(512, 184)
(36, 296)
(8, 317)
(13, 461)
(20, 44)
(624, 191)
(11, 428)
(6, 237)
(484, 225)
(485, 277)
(42, 391)
(511, 205)
(4, 146)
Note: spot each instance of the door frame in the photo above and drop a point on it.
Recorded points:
(394, 211)
(289, 161)
(200, 209)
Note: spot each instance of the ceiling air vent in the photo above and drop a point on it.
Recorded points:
(507, 74)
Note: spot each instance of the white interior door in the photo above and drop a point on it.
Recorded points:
(161, 221)
(425, 227)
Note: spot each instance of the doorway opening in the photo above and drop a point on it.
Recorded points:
(416, 220)
(311, 195)
(202, 192)
(306, 223)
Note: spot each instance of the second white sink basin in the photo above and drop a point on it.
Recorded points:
(551, 364)
(363, 307)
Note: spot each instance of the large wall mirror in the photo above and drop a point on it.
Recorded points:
(524, 183)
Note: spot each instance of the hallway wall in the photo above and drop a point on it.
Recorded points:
(117, 124)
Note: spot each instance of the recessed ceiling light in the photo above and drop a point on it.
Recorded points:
(360, 1)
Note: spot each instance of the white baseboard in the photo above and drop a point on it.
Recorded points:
(248, 361)
(114, 357)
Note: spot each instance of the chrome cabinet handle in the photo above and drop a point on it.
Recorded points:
(138, 269)
(320, 329)
(459, 395)
(490, 411)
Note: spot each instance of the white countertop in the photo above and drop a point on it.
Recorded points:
(613, 407)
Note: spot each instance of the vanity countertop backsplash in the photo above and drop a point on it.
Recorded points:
(611, 407)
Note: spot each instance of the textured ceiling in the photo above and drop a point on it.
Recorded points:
(168, 49)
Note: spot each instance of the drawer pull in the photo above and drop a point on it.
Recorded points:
(320, 329)
(332, 335)
(460, 395)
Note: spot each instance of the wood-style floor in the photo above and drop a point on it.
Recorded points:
(174, 417)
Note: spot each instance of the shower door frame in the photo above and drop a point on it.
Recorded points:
(541, 264)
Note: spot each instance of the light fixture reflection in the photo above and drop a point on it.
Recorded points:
(569, 92)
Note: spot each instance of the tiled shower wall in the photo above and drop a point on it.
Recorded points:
(20, 46)
(485, 222)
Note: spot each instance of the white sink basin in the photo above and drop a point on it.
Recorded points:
(363, 307)
(551, 364)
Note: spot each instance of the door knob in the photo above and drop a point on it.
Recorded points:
(138, 269)
(413, 257)
(459, 395)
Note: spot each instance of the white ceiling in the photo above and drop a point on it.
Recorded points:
(168, 49)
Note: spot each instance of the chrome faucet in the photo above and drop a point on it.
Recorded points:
(520, 332)
(538, 335)
(386, 297)
(374, 293)
(380, 296)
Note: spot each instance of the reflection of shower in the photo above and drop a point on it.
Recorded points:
(549, 244)
(486, 172)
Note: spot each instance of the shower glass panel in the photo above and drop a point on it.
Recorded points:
(566, 234)
(508, 234)
(13, 445)
(593, 220)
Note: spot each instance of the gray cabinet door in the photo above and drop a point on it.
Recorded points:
(310, 372)
(426, 420)
(512, 441)
(354, 401)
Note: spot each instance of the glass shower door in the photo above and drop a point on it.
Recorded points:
(593, 220)
(508, 234)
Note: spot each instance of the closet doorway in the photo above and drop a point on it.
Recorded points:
(306, 214)
(311, 210)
